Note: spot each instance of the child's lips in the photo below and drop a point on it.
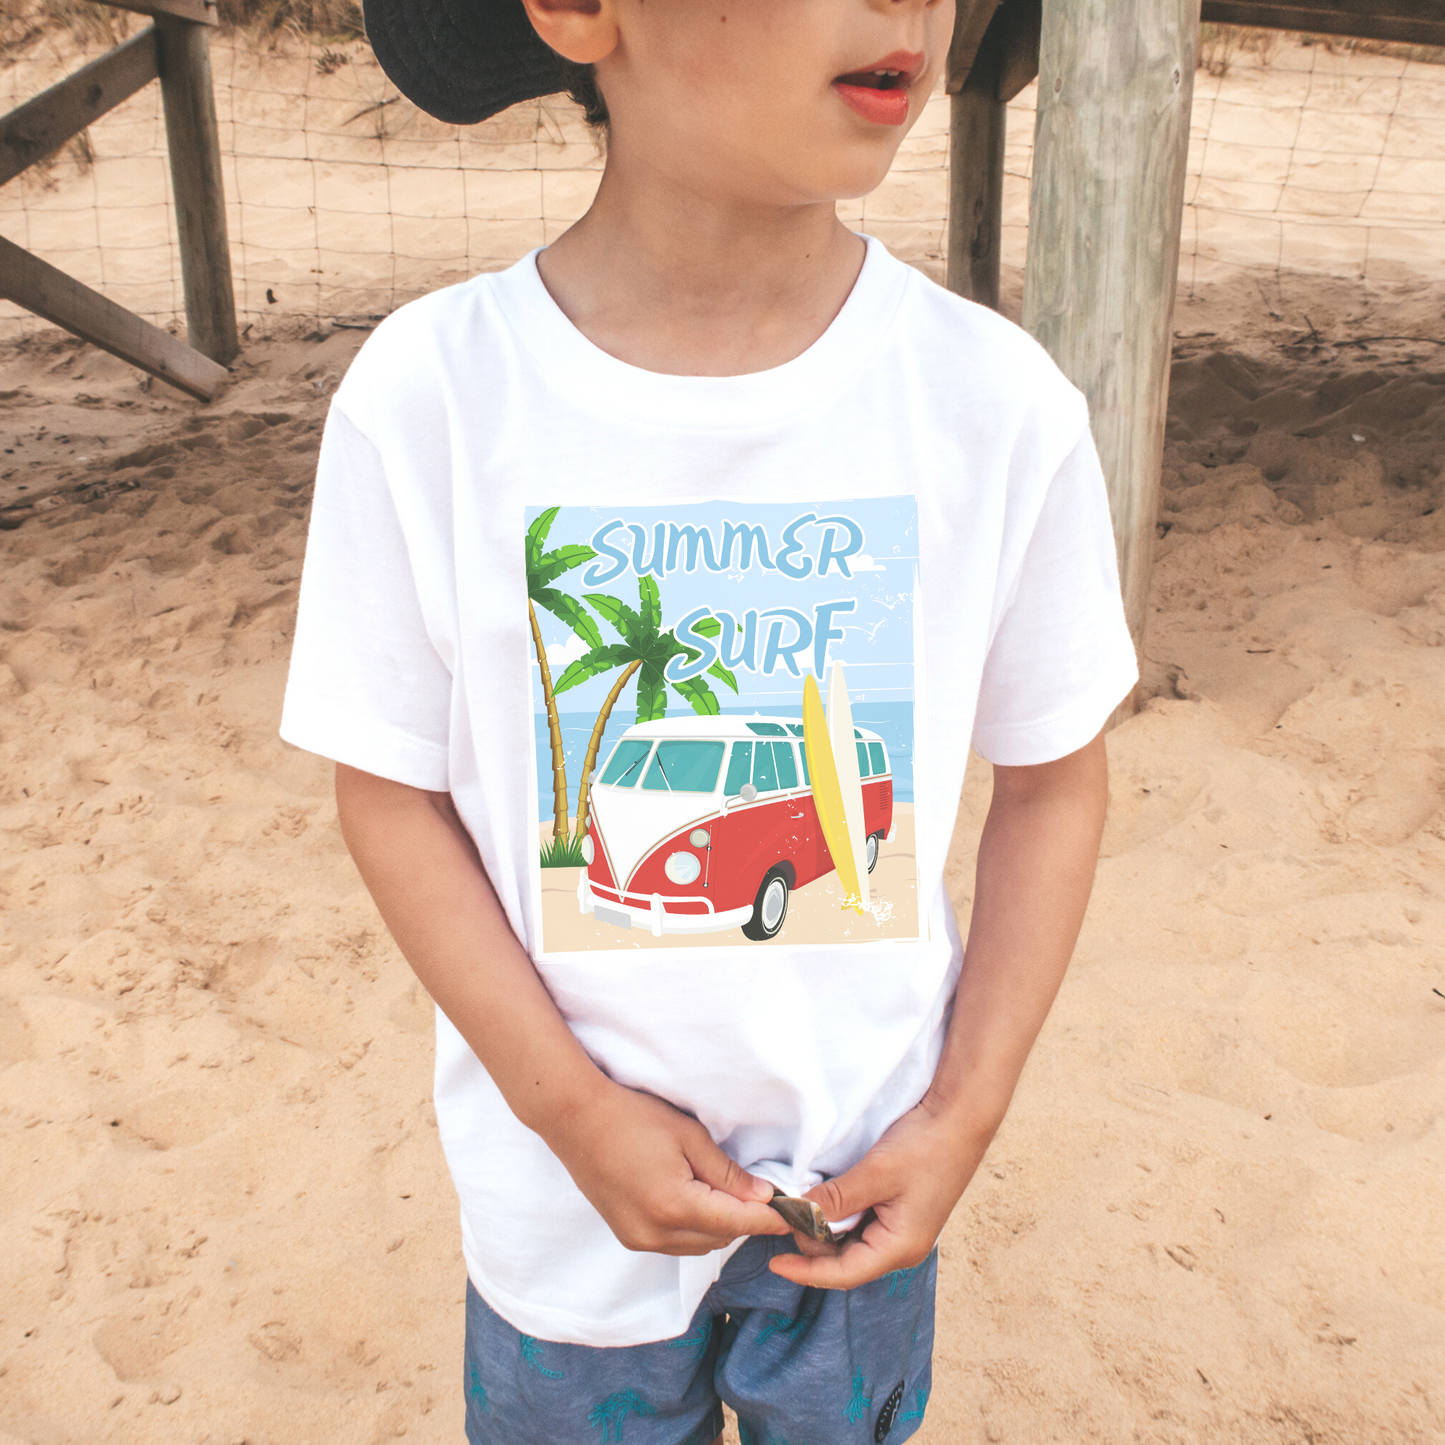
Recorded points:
(882, 107)
(880, 92)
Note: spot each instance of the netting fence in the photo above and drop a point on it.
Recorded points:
(345, 201)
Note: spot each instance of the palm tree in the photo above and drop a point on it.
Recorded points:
(644, 650)
(543, 568)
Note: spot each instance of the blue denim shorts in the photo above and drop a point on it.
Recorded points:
(799, 1366)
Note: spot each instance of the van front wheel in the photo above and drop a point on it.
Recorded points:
(770, 908)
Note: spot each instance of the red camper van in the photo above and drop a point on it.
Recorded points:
(702, 824)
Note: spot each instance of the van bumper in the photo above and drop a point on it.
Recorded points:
(654, 917)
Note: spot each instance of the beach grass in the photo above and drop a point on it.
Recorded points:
(563, 853)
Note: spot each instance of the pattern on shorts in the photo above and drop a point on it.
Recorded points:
(778, 1322)
(901, 1280)
(610, 1415)
(858, 1402)
(696, 1342)
(477, 1392)
(532, 1351)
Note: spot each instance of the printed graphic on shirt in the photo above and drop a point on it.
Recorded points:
(724, 738)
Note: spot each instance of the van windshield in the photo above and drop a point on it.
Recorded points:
(787, 767)
(624, 767)
(765, 770)
(685, 767)
(740, 769)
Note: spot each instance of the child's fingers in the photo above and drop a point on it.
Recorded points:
(877, 1253)
(713, 1212)
(715, 1169)
(735, 1200)
(856, 1263)
(866, 1185)
(692, 1219)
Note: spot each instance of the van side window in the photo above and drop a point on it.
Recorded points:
(740, 769)
(787, 765)
(880, 763)
(624, 767)
(862, 759)
(765, 772)
(685, 767)
(803, 753)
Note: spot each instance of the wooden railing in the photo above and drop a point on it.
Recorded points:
(175, 50)
(1106, 197)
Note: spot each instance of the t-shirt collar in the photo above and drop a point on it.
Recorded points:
(597, 381)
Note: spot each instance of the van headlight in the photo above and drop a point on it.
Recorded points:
(589, 850)
(682, 867)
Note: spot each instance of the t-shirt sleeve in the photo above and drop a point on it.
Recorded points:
(1061, 658)
(367, 686)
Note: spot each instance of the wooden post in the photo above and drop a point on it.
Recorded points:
(975, 180)
(981, 84)
(195, 152)
(1116, 79)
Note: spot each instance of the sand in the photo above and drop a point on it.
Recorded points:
(1215, 1212)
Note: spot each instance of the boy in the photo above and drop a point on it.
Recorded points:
(617, 1114)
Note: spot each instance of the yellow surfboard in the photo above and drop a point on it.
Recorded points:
(828, 795)
(845, 759)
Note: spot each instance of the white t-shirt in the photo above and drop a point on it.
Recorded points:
(916, 497)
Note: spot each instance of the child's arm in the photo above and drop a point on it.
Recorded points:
(1035, 869)
(654, 1174)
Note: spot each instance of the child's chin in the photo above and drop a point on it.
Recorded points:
(858, 176)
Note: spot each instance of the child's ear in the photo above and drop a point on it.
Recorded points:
(584, 31)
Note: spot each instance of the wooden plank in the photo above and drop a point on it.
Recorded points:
(43, 124)
(1411, 22)
(970, 24)
(40, 287)
(198, 12)
(1005, 60)
(1111, 140)
(975, 174)
(1019, 46)
(195, 153)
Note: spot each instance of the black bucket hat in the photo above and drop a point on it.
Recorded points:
(462, 60)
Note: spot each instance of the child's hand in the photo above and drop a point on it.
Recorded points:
(911, 1179)
(655, 1175)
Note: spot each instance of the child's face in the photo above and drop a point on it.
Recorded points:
(770, 102)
